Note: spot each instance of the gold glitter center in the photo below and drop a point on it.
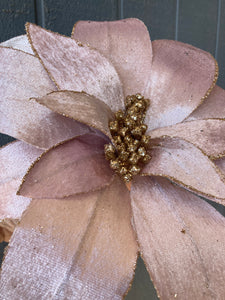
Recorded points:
(129, 153)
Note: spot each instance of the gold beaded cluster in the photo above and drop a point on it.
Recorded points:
(128, 153)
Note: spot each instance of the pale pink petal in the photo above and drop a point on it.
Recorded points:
(212, 107)
(82, 247)
(181, 239)
(185, 164)
(15, 158)
(22, 77)
(220, 163)
(208, 135)
(181, 77)
(43, 244)
(20, 43)
(73, 66)
(75, 166)
(126, 43)
(80, 107)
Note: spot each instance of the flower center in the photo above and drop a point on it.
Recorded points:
(128, 153)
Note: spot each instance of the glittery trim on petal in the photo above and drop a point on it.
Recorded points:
(185, 164)
(208, 135)
(181, 239)
(71, 167)
(126, 43)
(83, 247)
(73, 66)
(182, 78)
(212, 107)
(220, 163)
(22, 77)
(80, 107)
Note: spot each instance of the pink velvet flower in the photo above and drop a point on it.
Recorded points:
(80, 235)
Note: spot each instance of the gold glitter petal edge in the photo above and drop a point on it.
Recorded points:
(218, 156)
(216, 75)
(211, 157)
(188, 187)
(36, 53)
(62, 35)
(212, 163)
(220, 119)
(44, 153)
(77, 119)
(37, 160)
(9, 143)
(171, 178)
(86, 44)
(73, 30)
(17, 50)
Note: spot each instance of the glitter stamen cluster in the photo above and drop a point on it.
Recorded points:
(129, 152)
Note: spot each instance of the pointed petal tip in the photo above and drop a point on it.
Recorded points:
(27, 29)
(212, 107)
(205, 134)
(185, 164)
(175, 67)
(79, 162)
(125, 43)
(93, 72)
(27, 24)
(81, 107)
(18, 192)
(23, 77)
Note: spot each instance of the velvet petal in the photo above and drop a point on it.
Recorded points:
(80, 107)
(15, 158)
(126, 43)
(72, 167)
(82, 247)
(185, 164)
(208, 135)
(220, 163)
(20, 43)
(22, 77)
(212, 107)
(181, 239)
(73, 66)
(181, 77)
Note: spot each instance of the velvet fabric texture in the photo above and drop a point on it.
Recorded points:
(77, 227)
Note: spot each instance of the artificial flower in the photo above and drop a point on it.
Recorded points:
(80, 235)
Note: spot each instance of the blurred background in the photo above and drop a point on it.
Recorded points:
(197, 22)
